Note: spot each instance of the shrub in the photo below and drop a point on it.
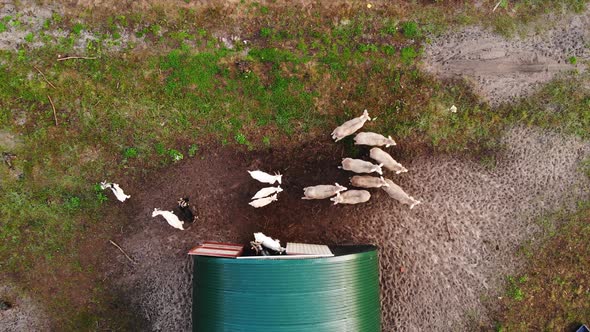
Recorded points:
(410, 30)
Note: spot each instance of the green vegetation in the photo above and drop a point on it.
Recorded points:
(553, 295)
(408, 55)
(511, 16)
(564, 103)
(410, 30)
(77, 28)
(175, 155)
(192, 150)
(514, 290)
(130, 152)
(30, 37)
(139, 107)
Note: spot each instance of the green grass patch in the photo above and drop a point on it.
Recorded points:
(512, 16)
(563, 103)
(553, 294)
(410, 30)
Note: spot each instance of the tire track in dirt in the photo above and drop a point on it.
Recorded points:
(502, 70)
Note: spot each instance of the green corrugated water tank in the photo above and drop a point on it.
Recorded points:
(339, 293)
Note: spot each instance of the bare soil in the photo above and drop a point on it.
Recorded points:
(437, 261)
(504, 70)
(23, 313)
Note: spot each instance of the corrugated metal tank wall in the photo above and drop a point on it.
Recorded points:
(325, 294)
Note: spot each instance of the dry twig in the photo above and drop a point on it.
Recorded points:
(45, 78)
(497, 5)
(77, 57)
(124, 253)
(53, 107)
(449, 231)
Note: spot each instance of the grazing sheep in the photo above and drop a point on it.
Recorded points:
(373, 139)
(396, 192)
(116, 190)
(268, 242)
(387, 161)
(360, 166)
(267, 192)
(350, 127)
(265, 177)
(170, 217)
(322, 191)
(365, 181)
(263, 201)
(351, 197)
(185, 211)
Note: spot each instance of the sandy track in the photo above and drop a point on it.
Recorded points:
(504, 70)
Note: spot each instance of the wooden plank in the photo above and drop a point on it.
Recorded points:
(318, 250)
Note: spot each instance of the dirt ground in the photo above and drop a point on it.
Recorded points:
(22, 313)
(504, 70)
(437, 260)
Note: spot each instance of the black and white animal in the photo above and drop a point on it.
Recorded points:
(185, 211)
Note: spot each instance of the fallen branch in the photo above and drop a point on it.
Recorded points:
(45, 78)
(497, 5)
(53, 107)
(77, 57)
(124, 253)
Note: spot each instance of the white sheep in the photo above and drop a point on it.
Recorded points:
(350, 127)
(373, 139)
(322, 191)
(170, 217)
(351, 197)
(268, 242)
(396, 192)
(267, 192)
(387, 161)
(265, 177)
(360, 166)
(366, 181)
(263, 201)
(119, 193)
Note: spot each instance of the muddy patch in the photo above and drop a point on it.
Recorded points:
(437, 260)
(440, 260)
(504, 70)
(18, 312)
